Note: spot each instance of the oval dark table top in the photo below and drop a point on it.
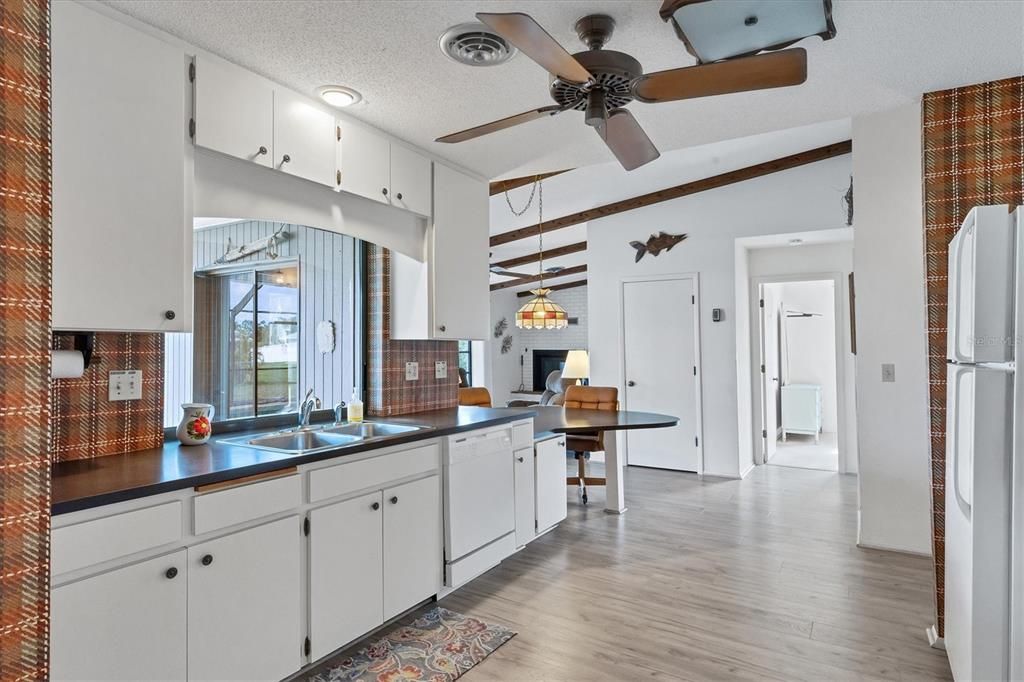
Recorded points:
(553, 420)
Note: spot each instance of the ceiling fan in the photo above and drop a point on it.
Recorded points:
(602, 82)
(498, 270)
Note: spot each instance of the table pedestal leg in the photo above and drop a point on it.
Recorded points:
(613, 472)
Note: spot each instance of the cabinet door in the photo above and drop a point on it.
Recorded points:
(243, 604)
(461, 298)
(128, 624)
(526, 526)
(305, 135)
(412, 544)
(346, 572)
(120, 224)
(363, 159)
(234, 111)
(552, 498)
(410, 180)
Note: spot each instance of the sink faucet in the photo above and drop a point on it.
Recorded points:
(309, 403)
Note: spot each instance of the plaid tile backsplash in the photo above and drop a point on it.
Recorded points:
(973, 145)
(24, 338)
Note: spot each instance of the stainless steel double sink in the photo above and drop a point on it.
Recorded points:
(311, 439)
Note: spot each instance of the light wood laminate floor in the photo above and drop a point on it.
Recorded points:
(740, 580)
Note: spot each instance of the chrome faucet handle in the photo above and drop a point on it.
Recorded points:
(340, 412)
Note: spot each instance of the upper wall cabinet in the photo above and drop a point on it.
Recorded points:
(121, 225)
(234, 111)
(364, 165)
(410, 180)
(304, 139)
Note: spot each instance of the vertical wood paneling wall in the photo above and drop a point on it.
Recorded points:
(328, 270)
(973, 146)
(24, 338)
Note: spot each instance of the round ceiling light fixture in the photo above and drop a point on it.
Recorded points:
(339, 95)
(475, 44)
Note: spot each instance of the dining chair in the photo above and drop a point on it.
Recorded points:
(581, 445)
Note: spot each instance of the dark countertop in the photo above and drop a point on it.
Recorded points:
(86, 483)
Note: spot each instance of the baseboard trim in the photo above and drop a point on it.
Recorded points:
(934, 641)
(750, 467)
(882, 548)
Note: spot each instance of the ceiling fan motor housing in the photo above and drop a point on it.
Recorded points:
(613, 72)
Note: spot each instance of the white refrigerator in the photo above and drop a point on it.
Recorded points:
(983, 616)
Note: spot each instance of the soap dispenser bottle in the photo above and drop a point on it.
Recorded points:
(355, 408)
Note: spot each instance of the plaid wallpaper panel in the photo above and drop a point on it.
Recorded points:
(388, 393)
(24, 338)
(85, 424)
(973, 145)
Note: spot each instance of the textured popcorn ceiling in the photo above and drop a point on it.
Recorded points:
(886, 53)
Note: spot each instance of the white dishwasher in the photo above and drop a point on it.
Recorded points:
(479, 510)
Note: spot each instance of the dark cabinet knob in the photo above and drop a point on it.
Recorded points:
(207, 559)
(631, 383)
(375, 506)
(169, 314)
(443, 328)
(338, 177)
(394, 500)
(384, 191)
(171, 573)
(399, 195)
(285, 159)
(261, 151)
(520, 459)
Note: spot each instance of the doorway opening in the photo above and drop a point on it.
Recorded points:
(799, 381)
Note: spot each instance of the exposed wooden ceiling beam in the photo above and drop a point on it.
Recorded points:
(748, 173)
(575, 270)
(499, 186)
(557, 287)
(535, 257)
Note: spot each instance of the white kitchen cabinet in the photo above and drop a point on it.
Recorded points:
(346, 572)
(552, 501)
(364, 163)
(451, 284)
(304, 139)
(122, 229)
(244, 604)
(412, 544)
(410, 180)
(126, 624)
(234, 111)
(526, 522)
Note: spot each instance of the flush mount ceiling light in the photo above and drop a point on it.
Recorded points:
(339, 95)
(474, 44)
(713, 30)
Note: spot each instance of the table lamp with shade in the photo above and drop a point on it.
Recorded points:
(577, 366)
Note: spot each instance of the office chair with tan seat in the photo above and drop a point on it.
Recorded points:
(474, 396)
(581, 445)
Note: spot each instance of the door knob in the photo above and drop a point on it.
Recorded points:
(631, 383)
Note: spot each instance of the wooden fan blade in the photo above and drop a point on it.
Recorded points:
(500, 124)
(502, 272)
(769, 70)
(627, 140)
(532, 40)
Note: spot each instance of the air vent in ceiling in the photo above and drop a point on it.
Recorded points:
(475, 45)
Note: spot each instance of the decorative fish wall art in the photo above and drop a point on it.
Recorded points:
(656, 243)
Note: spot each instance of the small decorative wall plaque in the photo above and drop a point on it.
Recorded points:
(506, 345)
(656, 243)
(500, 327)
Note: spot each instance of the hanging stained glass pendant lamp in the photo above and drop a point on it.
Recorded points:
(540, 312)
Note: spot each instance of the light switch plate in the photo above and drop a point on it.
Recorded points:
(440, 369)
(125, 385)
(412, 371)
(888, 372)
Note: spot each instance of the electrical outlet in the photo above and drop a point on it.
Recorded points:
(124, 385)
(412, 371)
(888, 372)
(440, 369)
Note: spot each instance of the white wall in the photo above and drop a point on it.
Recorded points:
(796, 200)
(812, 257)
(506, 373)
(890, 301)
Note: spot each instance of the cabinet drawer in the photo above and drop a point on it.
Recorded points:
(522, 435)
(248, 502)
(92, 542)
(375, 471)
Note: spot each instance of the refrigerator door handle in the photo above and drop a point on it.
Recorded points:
(956, 407)
(954, 278)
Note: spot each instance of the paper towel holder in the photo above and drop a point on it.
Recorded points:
(85, 342)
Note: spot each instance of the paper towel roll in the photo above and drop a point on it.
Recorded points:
(67, 364)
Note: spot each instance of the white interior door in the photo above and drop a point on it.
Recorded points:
(661, 371)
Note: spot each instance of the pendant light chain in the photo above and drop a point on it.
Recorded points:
(540, 227)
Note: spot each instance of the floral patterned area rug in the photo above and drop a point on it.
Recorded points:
(439, 646)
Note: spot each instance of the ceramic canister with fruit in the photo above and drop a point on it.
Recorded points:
(195, 427)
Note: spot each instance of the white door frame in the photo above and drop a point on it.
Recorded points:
(694, 278)
(839, 310)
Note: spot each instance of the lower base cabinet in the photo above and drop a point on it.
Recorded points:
(526, 520)
(143, 604)
(552, 500)
(244, 598)
(371, 558)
